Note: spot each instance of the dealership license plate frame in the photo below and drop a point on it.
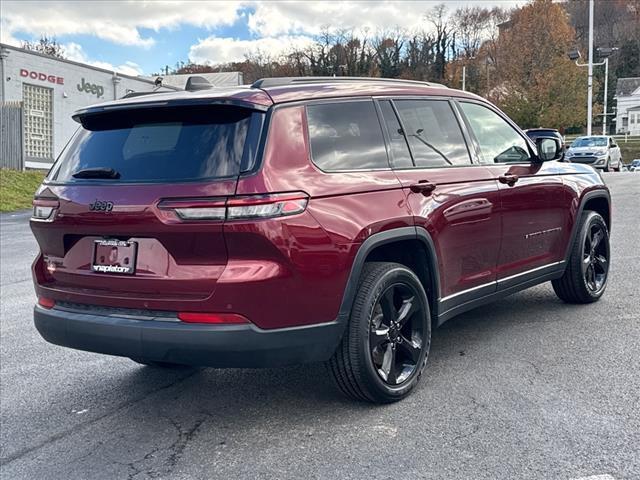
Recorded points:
(124, 249)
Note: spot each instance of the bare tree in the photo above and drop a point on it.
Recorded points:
(46, 45)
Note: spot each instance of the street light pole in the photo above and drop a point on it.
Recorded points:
(464, 77)
(606, 82)
(590, 79)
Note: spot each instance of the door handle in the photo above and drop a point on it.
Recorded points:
(423, 187)
(508, 178)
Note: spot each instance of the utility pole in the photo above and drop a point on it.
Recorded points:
(590, 79)
(603, 52)
(464, 77)
(606, 81)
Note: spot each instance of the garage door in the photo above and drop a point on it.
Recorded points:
(38, 123)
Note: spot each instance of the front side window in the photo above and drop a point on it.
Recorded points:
(499, 141)
(433, 133)
(346, 136)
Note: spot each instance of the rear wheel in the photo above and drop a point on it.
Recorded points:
(386, 344)
(585, 277)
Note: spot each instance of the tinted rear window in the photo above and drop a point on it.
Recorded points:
(346, 136)
(162, 144)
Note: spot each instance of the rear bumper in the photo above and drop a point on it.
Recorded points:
(173, 341)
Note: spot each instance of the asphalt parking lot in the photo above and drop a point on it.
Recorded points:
(525, 388)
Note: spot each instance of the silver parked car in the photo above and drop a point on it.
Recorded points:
(634, 166)
(599, 151)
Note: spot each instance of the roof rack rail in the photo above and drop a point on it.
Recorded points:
(282, 81)
(196, 83)
(139, 94)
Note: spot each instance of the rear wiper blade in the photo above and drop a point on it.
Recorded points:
(99, 172)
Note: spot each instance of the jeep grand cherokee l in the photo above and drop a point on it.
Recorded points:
(304, 219)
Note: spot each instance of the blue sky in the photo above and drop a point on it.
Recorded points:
(141, 37)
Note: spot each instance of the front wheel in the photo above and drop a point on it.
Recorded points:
(606, 166)
(386, 344)
(585, 277)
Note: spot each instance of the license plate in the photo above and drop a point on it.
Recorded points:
(114, 256)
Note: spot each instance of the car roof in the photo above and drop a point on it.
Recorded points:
(267, 92)
(541, 129)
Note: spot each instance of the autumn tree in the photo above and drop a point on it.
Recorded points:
(389, 52)
(46, 45)
(539, 85)
(476, 34)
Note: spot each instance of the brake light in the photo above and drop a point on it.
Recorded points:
(45, 302)
(238, 208)
(217, 318)
(43, 209)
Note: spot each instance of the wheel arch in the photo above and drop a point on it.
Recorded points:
(410, 246)
(597, 201)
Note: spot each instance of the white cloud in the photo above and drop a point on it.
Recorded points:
(74, 52)
(309, 17)
(221, 50)
(118, 22)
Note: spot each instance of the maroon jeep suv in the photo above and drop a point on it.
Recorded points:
(304, 219)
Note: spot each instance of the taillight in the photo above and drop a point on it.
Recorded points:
(267, 206)
(45, 302)
(237, 208)
(217, 318)
(44, 209)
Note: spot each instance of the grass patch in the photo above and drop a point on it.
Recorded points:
(17, 188)
(629, 151)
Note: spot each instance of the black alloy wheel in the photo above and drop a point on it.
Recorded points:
(595, 258)
(587, 270)
(385, 347)
(396, 334)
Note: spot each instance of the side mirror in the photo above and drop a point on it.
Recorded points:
(549, 148)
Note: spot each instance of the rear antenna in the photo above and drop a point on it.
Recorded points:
(195, 83)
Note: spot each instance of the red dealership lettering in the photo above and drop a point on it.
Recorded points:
(43, 77)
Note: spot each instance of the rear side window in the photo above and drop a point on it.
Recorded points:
(160, 145)
(346, 136)
(433, 133)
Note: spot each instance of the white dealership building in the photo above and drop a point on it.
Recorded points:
(51, 89)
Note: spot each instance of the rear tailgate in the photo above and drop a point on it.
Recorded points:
(107, 242)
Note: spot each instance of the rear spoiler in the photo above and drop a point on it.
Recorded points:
(79, 115)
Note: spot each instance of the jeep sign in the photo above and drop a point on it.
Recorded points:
(97, 90)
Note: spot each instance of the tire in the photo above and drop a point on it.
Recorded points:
(374, 346)
(164, 365)
(606, 167)
(586, 274)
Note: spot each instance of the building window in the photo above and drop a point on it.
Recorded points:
(38, 122)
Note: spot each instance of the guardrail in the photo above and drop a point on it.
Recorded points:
(626, 138)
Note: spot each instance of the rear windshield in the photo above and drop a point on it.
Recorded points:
(161, 145)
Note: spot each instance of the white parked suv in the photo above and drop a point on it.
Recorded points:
(599, 151)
